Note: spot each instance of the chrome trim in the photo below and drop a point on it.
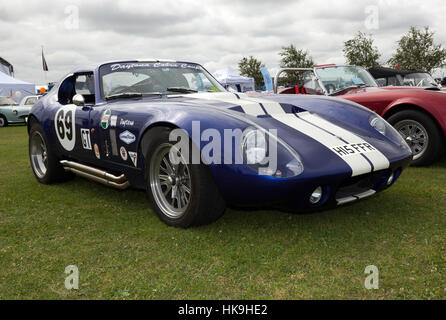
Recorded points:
(96, 175)
(355, 197)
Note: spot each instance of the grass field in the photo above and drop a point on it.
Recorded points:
(122, 250)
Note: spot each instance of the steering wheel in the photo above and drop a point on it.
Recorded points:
(330, 88)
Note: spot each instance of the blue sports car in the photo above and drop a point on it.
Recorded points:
(170, 128)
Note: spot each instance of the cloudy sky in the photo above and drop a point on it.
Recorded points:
(214, 33)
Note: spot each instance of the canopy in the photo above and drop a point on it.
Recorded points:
(17, 88)
(229, 78)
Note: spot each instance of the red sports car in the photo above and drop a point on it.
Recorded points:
(419, 114)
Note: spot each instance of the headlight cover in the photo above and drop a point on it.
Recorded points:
(264, 152)
(383, 127)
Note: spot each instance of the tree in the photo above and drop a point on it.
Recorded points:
(294, 58)
(360, 51)
(417, 51)
(250, 67)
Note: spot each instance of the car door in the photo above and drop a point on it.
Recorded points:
(72, 121)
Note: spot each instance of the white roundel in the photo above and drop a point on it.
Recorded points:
(65, 125)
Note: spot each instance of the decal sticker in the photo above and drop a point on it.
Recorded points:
(64, 123)
(126, 123)
(113, 121)
(96, 151)
(105, 120)
(127, 137)
(86, 142)
(133, 157)
(124, 155)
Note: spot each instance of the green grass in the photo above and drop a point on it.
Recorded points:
(122, 250)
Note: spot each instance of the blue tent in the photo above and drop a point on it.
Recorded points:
(18, 89)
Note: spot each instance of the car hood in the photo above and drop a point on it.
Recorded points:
(404, 90)
(315, 126)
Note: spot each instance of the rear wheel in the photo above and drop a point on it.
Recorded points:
(421, 134)
(3, 121)
(44, 163)
(182, 194)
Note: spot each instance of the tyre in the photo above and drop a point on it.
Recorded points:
(3, 121)
(44, 163)
(182, 195)
(421, 133)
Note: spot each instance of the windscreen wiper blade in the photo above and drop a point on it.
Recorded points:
(181, 90)
(346, 89)
(132, 95)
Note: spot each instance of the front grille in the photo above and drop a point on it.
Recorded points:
(361, 184)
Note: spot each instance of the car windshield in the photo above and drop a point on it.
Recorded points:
(129, 79)
(419, 79)
(5, 101)
(338, 78)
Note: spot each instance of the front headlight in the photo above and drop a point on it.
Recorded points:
(379, 124)
(264, 152)
(383, 127)
(254, 146)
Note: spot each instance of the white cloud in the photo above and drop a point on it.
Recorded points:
(214, 33)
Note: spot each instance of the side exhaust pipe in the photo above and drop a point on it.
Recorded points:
(96, 175)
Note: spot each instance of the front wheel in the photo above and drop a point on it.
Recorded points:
(182, 194)
(421, 134)
(3, 121)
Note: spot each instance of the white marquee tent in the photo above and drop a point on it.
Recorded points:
(230, 79)
(17, 88)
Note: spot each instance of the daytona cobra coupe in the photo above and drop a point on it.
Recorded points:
(170, 128)
(418, 114)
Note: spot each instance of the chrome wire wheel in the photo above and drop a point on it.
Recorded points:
(415, 135)
(170, 181)
(39, 154)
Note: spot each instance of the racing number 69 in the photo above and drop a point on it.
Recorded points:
(64, 123)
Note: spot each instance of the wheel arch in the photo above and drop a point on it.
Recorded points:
(410, 106)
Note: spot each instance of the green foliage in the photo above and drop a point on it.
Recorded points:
(294, 58)
(417, 51)
(360, 51)
(250, 67)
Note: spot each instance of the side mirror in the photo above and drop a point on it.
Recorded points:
(78, 100)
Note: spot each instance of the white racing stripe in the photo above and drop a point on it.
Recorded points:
(378, 160)
(249, 107)
(330, 135)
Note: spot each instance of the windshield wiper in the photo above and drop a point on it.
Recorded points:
(347, 88)
(181, 90)
(132, 95)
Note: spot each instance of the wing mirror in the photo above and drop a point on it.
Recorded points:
(78, 100)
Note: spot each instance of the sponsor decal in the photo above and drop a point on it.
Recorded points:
(96, 151)
(353, 149)
(113, 121)
(86, 142)
(128, 66)
(114, 144)
(64, 123)
(133, 157)
(123, 152)
(127, 137)
(126, 123)
(105, 120)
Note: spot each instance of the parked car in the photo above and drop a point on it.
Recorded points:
(11, 112)
(158, 126)
(29, 100)
(394, 77)
(417, 113)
